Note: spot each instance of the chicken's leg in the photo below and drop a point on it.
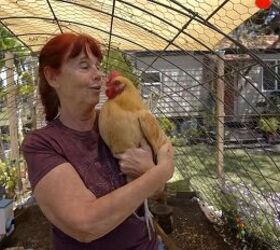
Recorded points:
(148, 219)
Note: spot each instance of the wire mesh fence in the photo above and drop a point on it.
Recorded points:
(209, 70)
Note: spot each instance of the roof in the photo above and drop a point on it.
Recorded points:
(137, 25)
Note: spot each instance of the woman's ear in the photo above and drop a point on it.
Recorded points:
(51, 76)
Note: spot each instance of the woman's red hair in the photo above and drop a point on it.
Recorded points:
(55, 52)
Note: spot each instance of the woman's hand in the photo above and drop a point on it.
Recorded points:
(136, 161)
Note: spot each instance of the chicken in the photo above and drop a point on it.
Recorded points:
(124, 122)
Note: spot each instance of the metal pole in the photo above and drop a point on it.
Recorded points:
(220, 114)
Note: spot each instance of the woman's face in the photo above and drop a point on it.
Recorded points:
(79, 81)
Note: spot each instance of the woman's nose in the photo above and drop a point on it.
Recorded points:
(97, 75)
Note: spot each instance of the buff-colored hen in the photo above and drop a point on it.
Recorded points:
(125, 121)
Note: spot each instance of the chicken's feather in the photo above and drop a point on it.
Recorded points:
(151, 130)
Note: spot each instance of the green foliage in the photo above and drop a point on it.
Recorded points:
(5, 138)
(8, 177)
(118, 61)
(26, 78)
(25, 89)
(193, 133)
(209, 120)
(178, 141)
(167, 125)
(27, 86)
(9, 43)
(271, 104)
(232, 217)
(3, 93)
(268, 125)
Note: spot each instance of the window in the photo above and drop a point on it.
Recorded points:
(270, 83)
(151, 83)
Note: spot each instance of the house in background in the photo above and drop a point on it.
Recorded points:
(258, 83)
(182, 82)
(176, 81)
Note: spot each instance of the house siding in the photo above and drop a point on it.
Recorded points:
(251, 93)
(186, 84)
(181, 93)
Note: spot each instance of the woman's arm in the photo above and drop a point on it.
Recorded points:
(70, 206)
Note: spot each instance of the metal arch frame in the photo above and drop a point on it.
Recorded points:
(116, 35)
(186, 89)
(77, 23)
(177, 66)
(161, 19)
(172, 40)
(178, 11)
(208, 25)
(211, 26)
(203, 87)
(216, 10)
(54, 15)
(111, 27)
(141, 27)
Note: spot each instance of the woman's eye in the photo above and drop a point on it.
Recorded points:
(84, 65)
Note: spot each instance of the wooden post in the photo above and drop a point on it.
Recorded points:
(35, 94)
(220, 114)
(2, 153)
(12, 111)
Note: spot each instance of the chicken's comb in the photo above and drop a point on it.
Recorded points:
(113, 75)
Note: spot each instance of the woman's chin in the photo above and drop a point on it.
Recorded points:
(94, 102)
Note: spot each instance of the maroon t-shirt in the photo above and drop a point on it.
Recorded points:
(54, 144)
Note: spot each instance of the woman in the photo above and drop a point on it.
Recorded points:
(75, 179)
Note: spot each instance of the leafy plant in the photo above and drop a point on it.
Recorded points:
(27, 86)
(192, 131)
(8, 178)
(268, 125)
(178, 141)
(9, 43)
(167, 125)
(117, 60)
(271, 104)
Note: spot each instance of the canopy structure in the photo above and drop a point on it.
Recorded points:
(136, 25)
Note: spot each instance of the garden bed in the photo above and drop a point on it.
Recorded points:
(192, 230)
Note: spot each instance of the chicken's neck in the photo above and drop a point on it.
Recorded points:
(129, 100)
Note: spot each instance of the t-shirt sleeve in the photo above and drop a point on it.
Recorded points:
(41, 156)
